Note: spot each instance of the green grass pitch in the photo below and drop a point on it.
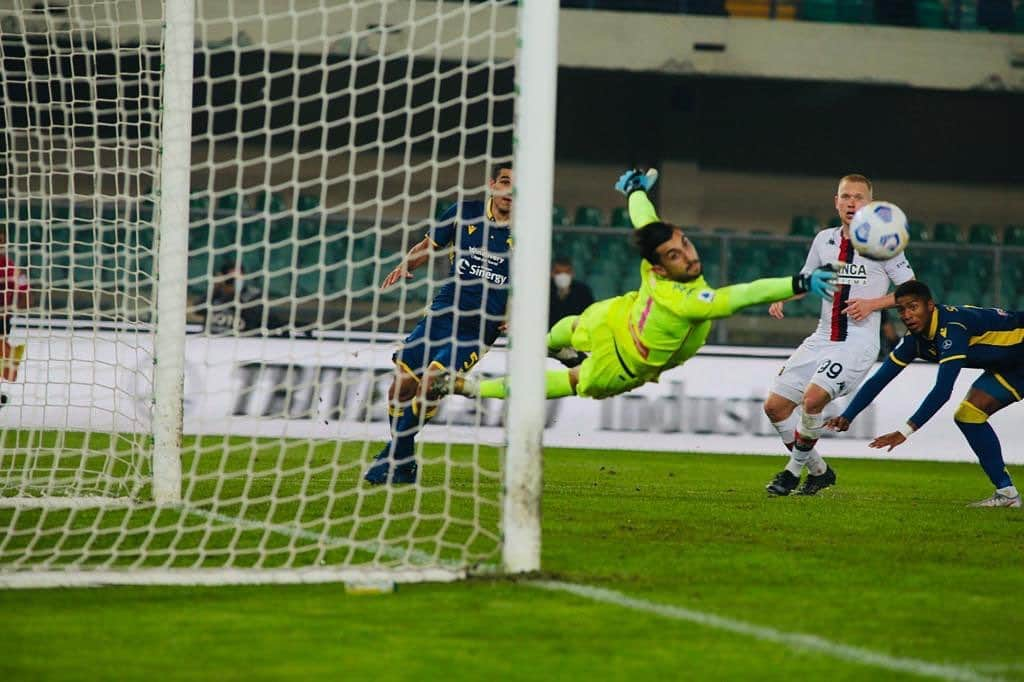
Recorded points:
(889, 561)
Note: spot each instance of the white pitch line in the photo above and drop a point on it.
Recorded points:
(795, 641)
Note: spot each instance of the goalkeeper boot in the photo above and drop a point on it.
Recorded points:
(998, 500)
(568, 356)
(783, 484)
(815, 484)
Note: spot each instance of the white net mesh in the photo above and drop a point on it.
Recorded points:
(326, 137)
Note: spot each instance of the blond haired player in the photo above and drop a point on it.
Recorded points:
(833, 360)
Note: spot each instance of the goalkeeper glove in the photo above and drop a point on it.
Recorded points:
(819, 283)
(633, 180)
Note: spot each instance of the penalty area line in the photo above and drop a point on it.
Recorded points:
(796, 641)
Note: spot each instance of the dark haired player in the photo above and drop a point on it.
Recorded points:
(464, 319)
(633, 338)
(955, 337)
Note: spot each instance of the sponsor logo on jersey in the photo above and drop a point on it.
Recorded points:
(852, 273)
(707, 295)
(482, 271)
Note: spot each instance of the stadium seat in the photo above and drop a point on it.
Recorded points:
(620, 217)
(559, 216)
(856, 11)
(588, 216)
(918, 231)
(307, 202)
(981, 233)
(1013, 235)
(199, 203)
(1018, 19)
(819, 10)
(947, 232)
(230, 201)
(803, 226)
(442, 206)
(931, 14)
(269, 202)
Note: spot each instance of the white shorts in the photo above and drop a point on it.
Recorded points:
(836, 366)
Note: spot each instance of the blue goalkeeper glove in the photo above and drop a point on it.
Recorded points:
(633, 180)
(820, 283)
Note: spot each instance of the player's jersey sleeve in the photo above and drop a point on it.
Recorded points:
(698, 301)
(899, 270)
(813, 261)
(641, 210)
(905, 351)
(955, 340)
(442, 233)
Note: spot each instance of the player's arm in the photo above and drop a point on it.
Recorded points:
(635, 186)
(711, 304)
(899, 271)
(441, 234)
(900, 357)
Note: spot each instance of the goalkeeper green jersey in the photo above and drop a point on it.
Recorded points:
(665, 323)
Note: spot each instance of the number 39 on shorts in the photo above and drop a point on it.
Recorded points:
(830, 369)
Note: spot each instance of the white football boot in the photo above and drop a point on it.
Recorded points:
(998, 500)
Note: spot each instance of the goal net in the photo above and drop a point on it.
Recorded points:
(200, 205)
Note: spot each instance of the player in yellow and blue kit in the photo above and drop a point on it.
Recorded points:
(955, 337)
(465, 318)
(633, 338)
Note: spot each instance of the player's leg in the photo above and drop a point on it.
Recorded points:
(840, 368)
(989, 394)
(812, 422)
(411, 361)
(558, 383)
(560, 342)
(781, 409)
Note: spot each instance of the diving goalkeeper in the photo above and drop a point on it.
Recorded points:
(633, 338)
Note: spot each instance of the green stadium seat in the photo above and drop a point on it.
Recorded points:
(269, 202)
(559, 216)
(442, 206)
(230, 201)
(307, 202)
(857, 11)
(1013, 235)
(620, 217)
(918, 231)
(588, 216)
(819, 10)
(947, 232)
(980, 233)
(803, 226)
(1018, 19)
(199, 203)
(931, 14)
(226, 234)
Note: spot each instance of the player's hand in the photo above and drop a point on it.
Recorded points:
(633, 180)
(858, 309)
(820, 283)
(889, 440)
(395, 275)
(503, 327)
(775, 310)
(837, 424)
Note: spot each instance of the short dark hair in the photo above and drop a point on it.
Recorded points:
(914, 288)
(500, 166)
(227, 268)
(649, 237)
(561, 260)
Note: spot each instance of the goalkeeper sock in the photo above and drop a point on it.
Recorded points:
(983, 440)
(560, 335)
(811, 426)
(556, 385)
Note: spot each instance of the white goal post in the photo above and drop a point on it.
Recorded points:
(204, 198)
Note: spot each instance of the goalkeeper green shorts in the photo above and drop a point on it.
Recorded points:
(604, 373)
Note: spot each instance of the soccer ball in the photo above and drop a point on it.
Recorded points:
(879, 230)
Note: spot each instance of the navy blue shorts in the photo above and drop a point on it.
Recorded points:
(1006, 386)
(433, 342)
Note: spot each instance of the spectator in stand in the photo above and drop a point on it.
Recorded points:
(233, 308)
(568, 295)
(15, 295)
